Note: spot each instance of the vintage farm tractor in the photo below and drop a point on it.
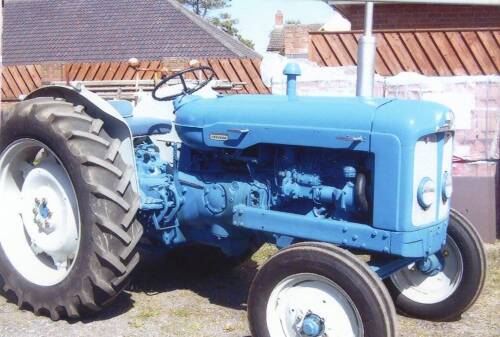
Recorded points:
(84, 182)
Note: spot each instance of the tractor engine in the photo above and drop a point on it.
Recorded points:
(317, 183)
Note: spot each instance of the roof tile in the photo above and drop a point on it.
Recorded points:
(104, 30)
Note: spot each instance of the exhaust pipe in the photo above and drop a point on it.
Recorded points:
(367, 48)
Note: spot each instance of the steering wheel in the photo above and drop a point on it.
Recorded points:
(186, 90)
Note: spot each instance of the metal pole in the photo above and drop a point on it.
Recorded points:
(367, 49)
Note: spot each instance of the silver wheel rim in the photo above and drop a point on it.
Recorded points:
(422, 288)
(40, 234)
(302, 295)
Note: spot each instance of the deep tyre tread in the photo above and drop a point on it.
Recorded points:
(107, 204)
(474, 273)
(363, 286)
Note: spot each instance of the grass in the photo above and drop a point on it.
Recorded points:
(494, 264)
(144, 315)
(188, 320)
(264, 253)
(181, 312)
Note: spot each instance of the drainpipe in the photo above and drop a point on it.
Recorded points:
(366, 56)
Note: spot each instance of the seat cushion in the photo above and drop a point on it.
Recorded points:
(125, 108)
(143, 126)
(140, 125)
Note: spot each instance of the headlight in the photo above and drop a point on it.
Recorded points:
(447, 186)
(426, 193)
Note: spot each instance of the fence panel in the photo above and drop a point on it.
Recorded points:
(21, 79)
(429, 52)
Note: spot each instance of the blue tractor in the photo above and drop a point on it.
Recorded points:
(327, 180)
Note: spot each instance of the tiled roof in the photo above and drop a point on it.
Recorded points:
(37, 31)
(432, 52)
(277, 40)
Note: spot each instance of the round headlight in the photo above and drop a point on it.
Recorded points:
(426, 194)
(447, 186)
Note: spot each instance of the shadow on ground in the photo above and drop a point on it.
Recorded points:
(203, 270)
(120, 305)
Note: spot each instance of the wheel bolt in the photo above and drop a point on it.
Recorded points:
(446, 253)
(44, 201)
(37, 201)
(35, 210)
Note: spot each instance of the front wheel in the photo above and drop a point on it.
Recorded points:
(447, 294)
(311, 290)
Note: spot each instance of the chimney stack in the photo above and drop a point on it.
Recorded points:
(278, 19)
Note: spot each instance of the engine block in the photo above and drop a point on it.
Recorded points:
(211, 185)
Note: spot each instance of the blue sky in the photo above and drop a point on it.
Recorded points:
(256, 17)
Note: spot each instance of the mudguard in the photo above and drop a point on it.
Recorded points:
(98, 108)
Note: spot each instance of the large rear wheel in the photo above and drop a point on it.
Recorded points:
(68, 236)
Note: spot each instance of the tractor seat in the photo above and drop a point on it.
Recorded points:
(124, 107)
(141, 125)
(145, 126)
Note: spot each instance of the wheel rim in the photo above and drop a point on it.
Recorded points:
(40, 235)
(422, 288)
(311, 305)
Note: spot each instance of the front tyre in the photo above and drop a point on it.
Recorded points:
(312, 291)
(68, 235)
(449, 293)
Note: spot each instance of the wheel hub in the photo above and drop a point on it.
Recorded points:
(52, 230)
(312, 326)
(430, 266)
(310, 305)
(42, 215)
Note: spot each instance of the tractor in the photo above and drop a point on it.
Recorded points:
(354, 191)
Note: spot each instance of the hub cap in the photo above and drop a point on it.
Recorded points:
(420, 286)
(41, 232)
(310, 305)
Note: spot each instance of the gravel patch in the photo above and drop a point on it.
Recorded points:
(179, 296)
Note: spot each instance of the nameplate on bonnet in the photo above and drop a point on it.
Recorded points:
(219, 136)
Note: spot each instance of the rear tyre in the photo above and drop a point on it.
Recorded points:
(448, 294)
(319, 290)
(68, 238)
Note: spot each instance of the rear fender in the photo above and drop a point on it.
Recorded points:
(98, 108)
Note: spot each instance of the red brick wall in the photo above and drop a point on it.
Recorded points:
(51, 72)
(424, 16)
(296, 40)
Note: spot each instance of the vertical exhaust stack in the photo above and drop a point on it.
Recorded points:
(291, 71)
(367, 49)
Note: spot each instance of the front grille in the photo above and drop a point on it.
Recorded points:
(446, 166)
(425, 164)
(433, 157)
